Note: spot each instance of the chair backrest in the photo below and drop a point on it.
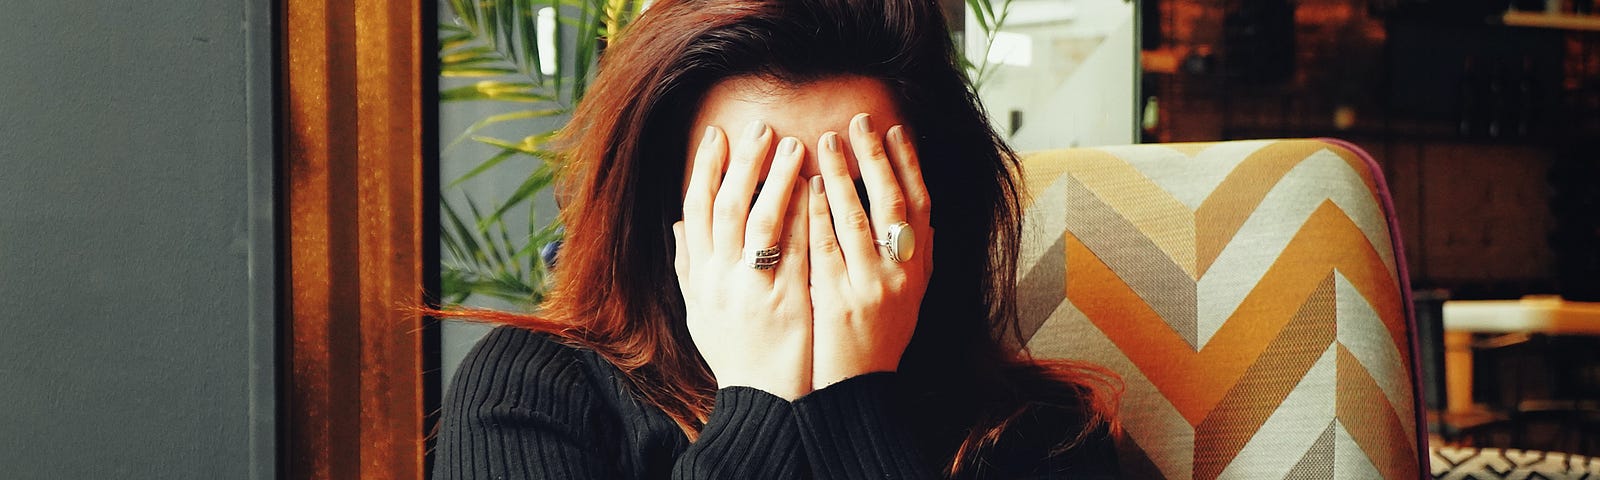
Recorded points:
(1252, 294)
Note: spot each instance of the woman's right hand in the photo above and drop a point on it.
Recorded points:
(752, 326)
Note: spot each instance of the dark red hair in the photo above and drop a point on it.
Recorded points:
(615, 291)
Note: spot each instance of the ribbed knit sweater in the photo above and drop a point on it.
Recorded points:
(523, 405)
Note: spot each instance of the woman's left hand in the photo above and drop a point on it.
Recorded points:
(864, 303)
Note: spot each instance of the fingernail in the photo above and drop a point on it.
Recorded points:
(787, 146)
(816, 184)
(895, 134)
(757, 129)
(864, 123)
(711, 134)
(830, 141)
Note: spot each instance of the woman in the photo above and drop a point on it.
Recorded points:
(816, 331)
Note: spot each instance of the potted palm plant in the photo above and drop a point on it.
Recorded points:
(534, 59)
(537, 57)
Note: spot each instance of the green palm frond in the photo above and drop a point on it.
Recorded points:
(497, 43)
(991, 18)
(481, 257)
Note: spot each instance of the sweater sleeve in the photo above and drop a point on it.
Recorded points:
(751, 434)
(523, 406)
(849, 431)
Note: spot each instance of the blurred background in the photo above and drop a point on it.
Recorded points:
(1485, 117)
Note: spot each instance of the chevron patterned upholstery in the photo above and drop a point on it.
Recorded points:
(1251, 294)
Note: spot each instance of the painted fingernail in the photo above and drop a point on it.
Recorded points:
(756, 130)
(864, 123)
(816, 185)
(787, 146)
(895, 134)
(711, 134)
(830, 141)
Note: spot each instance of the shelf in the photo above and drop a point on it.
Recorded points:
(1398, 133)
(1559, 21)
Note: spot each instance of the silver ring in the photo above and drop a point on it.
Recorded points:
(901, 241)
(763, 259)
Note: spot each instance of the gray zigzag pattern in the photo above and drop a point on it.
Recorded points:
(1153, 275)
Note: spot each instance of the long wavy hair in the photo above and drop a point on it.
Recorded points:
(615, 291)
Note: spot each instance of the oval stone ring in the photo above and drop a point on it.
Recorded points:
(901, 241)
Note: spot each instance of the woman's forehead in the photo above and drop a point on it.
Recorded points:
(804, 111)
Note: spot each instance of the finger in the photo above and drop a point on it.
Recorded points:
(795, 266)
(704, 178)
(883, 190)
(768, 214)
(680, 255)
(827, 262)
(851, 226)
(908, 168)
(731, 207)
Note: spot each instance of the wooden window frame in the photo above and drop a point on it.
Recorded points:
(359, 181)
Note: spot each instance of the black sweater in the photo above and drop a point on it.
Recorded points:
(523, 405)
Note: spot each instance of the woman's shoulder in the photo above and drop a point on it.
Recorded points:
(1053, 428)
(519, 384)
(512, 365)
(1064, 430)
(507, 344)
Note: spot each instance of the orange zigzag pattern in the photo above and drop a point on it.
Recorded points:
(1195, 381)
(1268, 381)
(1372, 421)
(1225, 210)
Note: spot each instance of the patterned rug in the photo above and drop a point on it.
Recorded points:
(1463, 463)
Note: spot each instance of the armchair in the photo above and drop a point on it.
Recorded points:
(1252, 295)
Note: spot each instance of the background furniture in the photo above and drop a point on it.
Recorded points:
(1522, 372)
(1486, 123)
(1252, 295)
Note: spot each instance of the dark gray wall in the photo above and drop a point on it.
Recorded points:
(136, 279)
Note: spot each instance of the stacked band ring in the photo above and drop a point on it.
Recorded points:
(762, 259)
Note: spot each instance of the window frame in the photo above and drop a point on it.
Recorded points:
(357, 362)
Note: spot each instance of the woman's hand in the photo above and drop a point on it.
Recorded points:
(864, 303)
(752, 325)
